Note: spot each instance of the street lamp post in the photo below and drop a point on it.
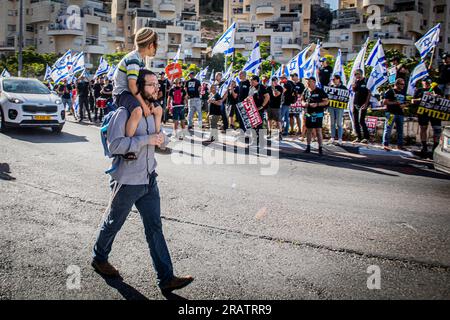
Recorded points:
(19, 73)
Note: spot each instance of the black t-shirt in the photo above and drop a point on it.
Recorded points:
(444, 74)
(179, 95)
(361, 92)
(213, 108)
(97, 89)
(164, 86)
(341, 86)
(230, 99)
(244, 88)
(288, 97)
(315, 96)
(193, 88)
(205, 94)
(325, 75)
(83, 89)
(65, 90)
(259, 95)
(397, 96)
(275, 102)
(107, 89)
(299, 88)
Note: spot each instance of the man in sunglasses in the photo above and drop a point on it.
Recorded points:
(394, 103)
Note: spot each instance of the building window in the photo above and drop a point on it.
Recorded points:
(29, 28)
(12, 27)
(440, 9)
(10, 42)
(283, 8)
(247, 8)
(11, 13)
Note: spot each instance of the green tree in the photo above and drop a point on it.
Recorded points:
(114, 58)
(34, 63)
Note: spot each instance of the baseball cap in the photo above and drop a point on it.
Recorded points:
(312, 78)
(323, 59)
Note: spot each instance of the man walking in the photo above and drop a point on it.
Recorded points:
(134, 186)
(194, 102)
(83, 98)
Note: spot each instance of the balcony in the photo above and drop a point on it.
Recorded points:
(367, 3)
(114, 37)
(167, 7)
(265, 10)
(55, 29)
(331, 43)
(95, 49)
(7, 46)
(189, 11)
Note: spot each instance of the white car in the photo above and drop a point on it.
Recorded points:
(442, 152)
(28, 102)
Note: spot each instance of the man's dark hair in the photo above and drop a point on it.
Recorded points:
(255, 78)
(141, 79)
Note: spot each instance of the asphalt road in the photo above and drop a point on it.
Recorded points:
(310, 231)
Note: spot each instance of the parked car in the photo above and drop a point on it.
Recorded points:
(28, 102)
(442, 152)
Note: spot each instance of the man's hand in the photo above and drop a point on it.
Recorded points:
(156, 139)
(147, 110)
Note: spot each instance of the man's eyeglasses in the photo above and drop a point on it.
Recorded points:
(156, 85)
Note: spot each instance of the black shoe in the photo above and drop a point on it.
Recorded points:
(177, 283)
(308, 149)
(320, 151)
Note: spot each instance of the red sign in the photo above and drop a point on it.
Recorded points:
(296, 107)
(249, 113)
(372, 123)
(173, 71)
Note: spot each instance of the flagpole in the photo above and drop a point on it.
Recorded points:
(432, 57)
(20, 62)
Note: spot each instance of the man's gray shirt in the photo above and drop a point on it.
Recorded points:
(132, 172)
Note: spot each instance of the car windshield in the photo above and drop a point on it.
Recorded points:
(24, 86)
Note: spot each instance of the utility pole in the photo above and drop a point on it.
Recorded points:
(19, 73)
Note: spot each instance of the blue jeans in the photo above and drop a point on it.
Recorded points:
(336, 120)
(285, 118)
(392, 119)
(147, 201)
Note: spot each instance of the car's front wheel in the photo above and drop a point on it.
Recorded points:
(3, 128)
(57, 129)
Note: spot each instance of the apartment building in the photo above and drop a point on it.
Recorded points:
(175, 21)
(285, 24)
(403, 22)
(59, 25)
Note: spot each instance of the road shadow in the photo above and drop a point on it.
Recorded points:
(5, 172)
(44, 135)
(127, 291)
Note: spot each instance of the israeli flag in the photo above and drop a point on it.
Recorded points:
(294, 65)
(78, 63)
(103, 68)
(111, 72)
(48, 72)
(426, 44)
(211, 78)
(377, 55)
(5, 74)
(65, 61)
(228, 73)
(358, 64)
(225, 86)
(225, 44)
(202, 74)
(59, 74)
(419, 72)
(254, 60)
(76, 106)
(312, 64)
(339, 68)
(177, 56)
(283, 69)
(377, 78)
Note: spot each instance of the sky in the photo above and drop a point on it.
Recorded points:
(334, 3)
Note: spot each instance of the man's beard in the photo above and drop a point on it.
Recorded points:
(149, 98)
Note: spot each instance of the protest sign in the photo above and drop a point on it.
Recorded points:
(249, 113)
(338, 97)
(435, 107)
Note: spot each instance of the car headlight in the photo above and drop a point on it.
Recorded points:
(15, 100)
(58, 101)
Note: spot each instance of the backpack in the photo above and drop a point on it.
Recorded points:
(104, 135)
(177, 97)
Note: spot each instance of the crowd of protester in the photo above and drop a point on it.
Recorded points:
(288, 104)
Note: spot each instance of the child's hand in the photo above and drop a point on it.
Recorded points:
(147, 110)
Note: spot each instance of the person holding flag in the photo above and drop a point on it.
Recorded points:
(360, 105)
(395, 103)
